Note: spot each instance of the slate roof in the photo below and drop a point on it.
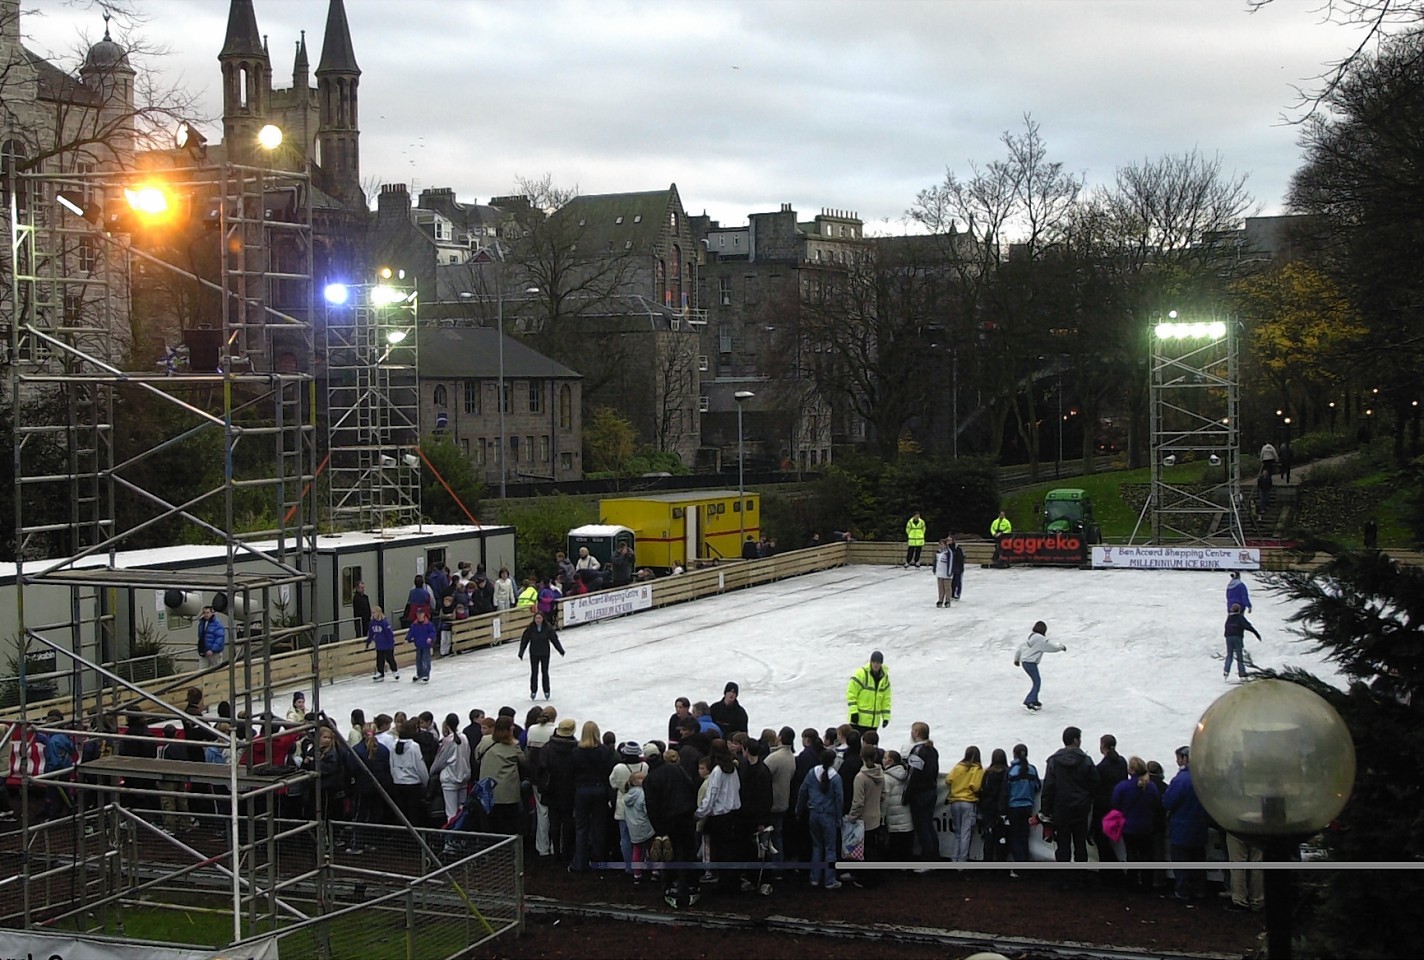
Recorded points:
(642, 218)
(458, 353)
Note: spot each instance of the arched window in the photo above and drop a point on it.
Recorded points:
(566, 407)
(440, 396)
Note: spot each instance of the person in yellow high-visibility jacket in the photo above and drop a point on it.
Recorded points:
(868, 695)
(1000, 528)
(528, 595)
(915, 534)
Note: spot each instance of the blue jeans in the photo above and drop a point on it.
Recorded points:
(1235, 647)
(823, 847)
(1190, 883)
(422, 662)
(922, 806)
(1032, 670)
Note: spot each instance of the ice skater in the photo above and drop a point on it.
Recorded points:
(956, 567)
(1236, 593)
(1028, 656)
(944, 573)
(537, 639)
(421, 635)
(1236, 628)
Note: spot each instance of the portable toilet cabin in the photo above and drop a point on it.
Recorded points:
(687, 526)
(602, 540)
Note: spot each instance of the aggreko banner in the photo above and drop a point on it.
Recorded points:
(1043, 549)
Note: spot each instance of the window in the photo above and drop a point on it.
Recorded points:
(544, 449)
(618, 220)
(528, 449)
(724, 338)
(465, 447)
(703, 403)
(481, 456)
(672, 220)
(566, 461)
(472, 396)
(638, 218)
(508, 395)
(566, 408)
(440, 396)
(536, 396)
(724, 290)
(702, 364)
(88, 255)
(350, 576)
(434, 558)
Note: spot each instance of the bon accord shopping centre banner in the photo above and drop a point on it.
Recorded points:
(589, 607)
(1043, 549)
(1176, 558)
(45, 946)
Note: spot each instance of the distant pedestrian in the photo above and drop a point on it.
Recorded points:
(1287, 457)
(383, 638)
(212, 638)
(1029, 654)
(1371, 534)
(1237, 627)
(361, 609)
(1263, 491)
(999, 529)
(915, 537)
(1268, 457)
(956, 566)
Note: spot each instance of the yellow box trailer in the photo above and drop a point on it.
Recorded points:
(682, 528)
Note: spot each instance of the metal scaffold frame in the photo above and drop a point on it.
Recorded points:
(373, 405)
(71, 263)
(1195, 400)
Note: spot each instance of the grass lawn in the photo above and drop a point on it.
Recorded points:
(1114, 516)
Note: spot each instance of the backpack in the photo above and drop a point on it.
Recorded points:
(483, 792)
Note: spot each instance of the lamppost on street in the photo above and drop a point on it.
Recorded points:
(499, 324)
(1272, 761)
(741, 396)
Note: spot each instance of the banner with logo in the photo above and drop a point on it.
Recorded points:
(588, 607)
(1043, 549)
(74, 946)
(1176, 558)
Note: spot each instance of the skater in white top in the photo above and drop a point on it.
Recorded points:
(1028, 656)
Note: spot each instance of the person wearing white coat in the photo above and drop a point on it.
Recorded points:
(452, 765)
(504, 591)
(1028, 656)
(409, 775)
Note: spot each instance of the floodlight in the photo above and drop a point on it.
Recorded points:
(74, 202)
(1172, 314)
(337, 294)
(269, 137)
(385, 273)
(1170, 460)
(383, 295)
(741, 395)
(411, 460)
(147, 200)
(1214, 460)
(188, 137)
(387, 461)
(395, 337)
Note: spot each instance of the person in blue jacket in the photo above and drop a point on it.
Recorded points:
(1236, 627)
(212, 638)
(422, 636)
(383, 638)
(1023, 789)
(1236, 592)
(819, 804)
(1186, 828)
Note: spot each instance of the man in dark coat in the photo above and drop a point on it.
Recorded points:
(1069, 785)
(727, 713)
(755, 811)
(671, 794)
(554, 777)
(1112, 770)
(621, 567)
(361, 610)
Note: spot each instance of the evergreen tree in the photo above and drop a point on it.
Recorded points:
(1365, 612)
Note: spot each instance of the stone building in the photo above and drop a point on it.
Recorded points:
(751, 285)
(459, 398)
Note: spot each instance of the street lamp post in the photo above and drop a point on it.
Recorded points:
(1273, 762)
(741, 396)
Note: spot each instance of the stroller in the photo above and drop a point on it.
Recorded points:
(472, 817)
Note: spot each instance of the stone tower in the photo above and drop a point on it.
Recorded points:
(339, 129)
(247, 81)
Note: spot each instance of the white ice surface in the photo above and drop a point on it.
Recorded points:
(1143, 659)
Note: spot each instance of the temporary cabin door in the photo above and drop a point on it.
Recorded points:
(693, 540)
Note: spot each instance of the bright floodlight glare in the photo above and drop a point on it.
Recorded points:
(69, 203)
(1172, 314)
(148, 199)
(269, 137)
(385, 273)
(1190, 331)
(383, 295)
(395, 337)
(337, 293)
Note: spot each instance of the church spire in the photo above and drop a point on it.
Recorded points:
(242, 36)
(337, 55)
(247, 83)
(338, 137)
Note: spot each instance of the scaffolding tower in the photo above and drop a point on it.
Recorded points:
(1195, 399)
(238, 246)
(373, 404)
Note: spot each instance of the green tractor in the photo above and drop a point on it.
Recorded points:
(1070, 510)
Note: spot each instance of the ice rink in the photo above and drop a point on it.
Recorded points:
(1143, 659)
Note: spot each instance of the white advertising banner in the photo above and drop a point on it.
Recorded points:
(588, 607)
(1176, 558)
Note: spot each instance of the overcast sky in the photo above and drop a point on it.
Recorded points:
(748, 104)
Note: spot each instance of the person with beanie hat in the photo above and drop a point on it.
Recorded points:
(298, 713)
(630, 762)
(728, 713)
(868, 695)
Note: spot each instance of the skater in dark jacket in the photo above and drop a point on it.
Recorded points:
(1236, 628)
(538, 637)
(1069, 782)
